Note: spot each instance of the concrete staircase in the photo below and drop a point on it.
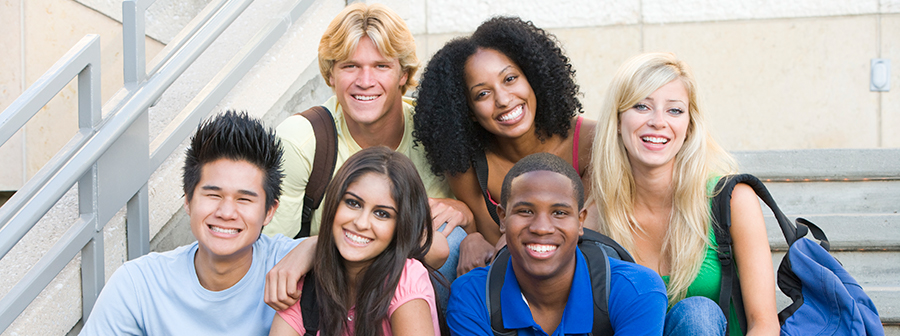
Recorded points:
(854, 196)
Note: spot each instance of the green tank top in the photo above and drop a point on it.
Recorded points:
(709, 280)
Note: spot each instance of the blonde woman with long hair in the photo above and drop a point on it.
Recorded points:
(655, 167)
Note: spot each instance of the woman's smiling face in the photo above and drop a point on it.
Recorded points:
(654, 129)
(499, 95)
(365, 220)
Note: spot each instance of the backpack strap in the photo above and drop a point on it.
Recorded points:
(481, 171)
(323, 163)
(598, 265)
(609, 246)
(309, 308)
(496, 275)
(730, 290)
(596, 248)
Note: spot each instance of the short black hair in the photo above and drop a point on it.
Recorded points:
(443, 120)
(239, 137)
(543, 162)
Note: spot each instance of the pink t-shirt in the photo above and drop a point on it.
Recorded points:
(414, 284)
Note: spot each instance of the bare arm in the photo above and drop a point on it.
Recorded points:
(412, 318)
(754, 262)
(281, 328)
(437, 254)
(281, 282)
(592, 221)
(586, 138)
(466, 188)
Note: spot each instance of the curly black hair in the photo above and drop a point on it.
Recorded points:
(443, 121)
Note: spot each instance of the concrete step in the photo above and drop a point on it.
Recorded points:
(820, 197)
(871, 232)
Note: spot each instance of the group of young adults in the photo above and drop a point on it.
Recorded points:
(492, 154)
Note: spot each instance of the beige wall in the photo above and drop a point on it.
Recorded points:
(36, 34)
(790, 75)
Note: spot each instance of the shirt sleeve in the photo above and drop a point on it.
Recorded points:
(293, 315)
(466, 313)
(117, 310)
(637, 300)
(415, 284)
(296, 135)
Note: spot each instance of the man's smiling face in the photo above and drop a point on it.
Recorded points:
(542, 223)
(228, 209)
(367, 84)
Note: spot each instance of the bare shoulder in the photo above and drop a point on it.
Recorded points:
(744, 197)
(585, 143)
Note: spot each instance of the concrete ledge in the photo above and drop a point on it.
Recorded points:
(821, 164)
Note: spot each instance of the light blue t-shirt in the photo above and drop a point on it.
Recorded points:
(160, 294)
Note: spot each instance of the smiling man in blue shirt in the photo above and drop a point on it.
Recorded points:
(547, 287)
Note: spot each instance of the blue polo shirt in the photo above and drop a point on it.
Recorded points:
(637, 302)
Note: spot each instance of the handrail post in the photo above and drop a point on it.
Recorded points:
(133, 43)
(92, 265)
(89, 117)
(137, 224)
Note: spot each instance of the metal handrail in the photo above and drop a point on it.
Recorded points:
(83, 60)
(82, 158)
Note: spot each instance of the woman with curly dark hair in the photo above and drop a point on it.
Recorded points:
(486, 101)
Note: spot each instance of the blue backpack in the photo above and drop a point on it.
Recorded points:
(826, 299)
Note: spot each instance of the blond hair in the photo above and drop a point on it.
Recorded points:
(382, 25)
(700, 157)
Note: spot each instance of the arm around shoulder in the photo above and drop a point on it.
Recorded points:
(281, 289)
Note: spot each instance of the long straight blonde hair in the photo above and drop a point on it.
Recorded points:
(699, 158)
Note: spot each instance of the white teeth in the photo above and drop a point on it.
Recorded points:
(515, 113)
(356, 239)
(224, 230)
(541, 248)
(365, 97)
(656, 140)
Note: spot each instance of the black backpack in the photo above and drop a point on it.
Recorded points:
(819, 287)
(596, 248)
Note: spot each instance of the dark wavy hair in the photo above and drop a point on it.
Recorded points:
(443, 121)
(377, 284)
(236, 136)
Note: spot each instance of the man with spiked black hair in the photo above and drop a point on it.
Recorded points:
(232, 181)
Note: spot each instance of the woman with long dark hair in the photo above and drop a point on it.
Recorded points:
(369, 273)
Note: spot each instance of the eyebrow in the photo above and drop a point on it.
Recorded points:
(554, 205)
(499, 73)
(240, 191)
(363, 201)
